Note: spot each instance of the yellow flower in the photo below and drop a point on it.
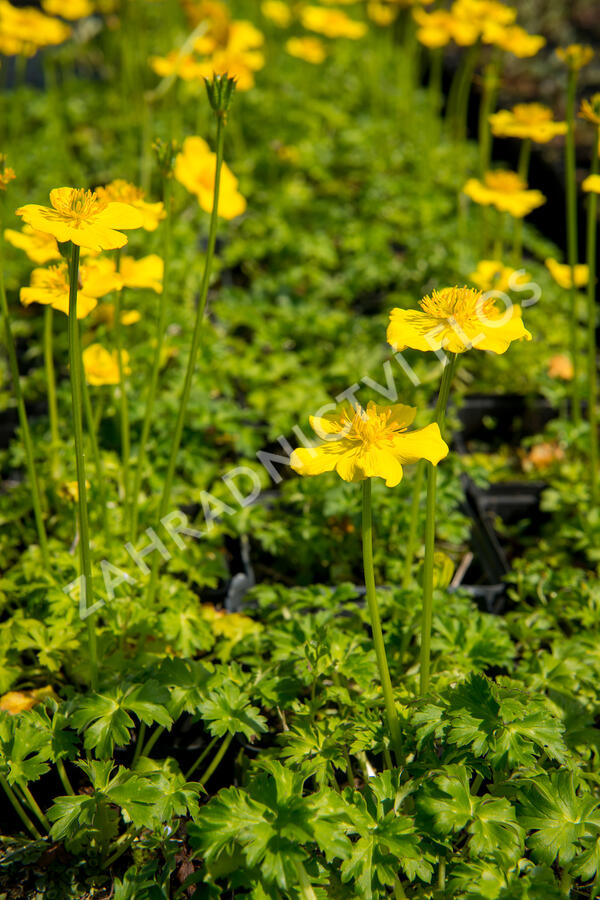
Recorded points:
(121, 191)
(6, 173)
(371, 443)
(15, 702)
(69, 490)
(590, 109)
(562, 274)
(506, 191)
(493, 275)
(332, 23)
(39, 247)
(561, 367)
(195, 168)
(105, 314)
(184, 65)
(142, 273)
(435, 28)
(591, 184)
(484, 12)
(576, 56)
(527, 120)
(513, 39)
(25, 31)
(456, 319)
(102, 367)
(277, 11)
(51, 286)
(238, 65)
(381, 13)
(310, 49)
(68, 9)
(84, 218)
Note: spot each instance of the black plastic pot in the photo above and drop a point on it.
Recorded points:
(496, 419)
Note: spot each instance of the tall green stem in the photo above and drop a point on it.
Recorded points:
(440, 415)
(571, 212)
(123, 405)
(464, 91)
(523, 171)
(486, 108)
(216, 760)
(414, 522)
(76, 395)
(151, 397)
(380, 654)
(18, 808)
(91, 427)
(592, 213)
(36, 498)
(51, 389)
(187, 385)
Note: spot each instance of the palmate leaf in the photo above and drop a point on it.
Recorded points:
(176, 796)
(491, 821)
(24, 748)
(559, 817)
(228, 711)
(105, 717)
(186, 680)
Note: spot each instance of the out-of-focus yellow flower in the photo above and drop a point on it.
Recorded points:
(15, 702)
(105, 314)
(590, 109)
(277, 11)
(591, 184)
(562, 274)
(84, 218)
(484, 12)
(232, 626)
(561, 367)
(184, 65)
(240, 66)
(369, 443)
(493, 275)
(39, 247)
(212, 11)
(6, 173)
(50, 287)
(527, 120)
(456, 319)
(142, 273)
(121, 191)
(575, 56)
(195, 169)
(25, 30)
(69, 490)
(310, 49)
(68, 9)
(513, 39)
(333, 23)
(434, 29)
(102, 367)
(506, 191)
(381, 13)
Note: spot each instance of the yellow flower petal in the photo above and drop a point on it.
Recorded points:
(423, 443)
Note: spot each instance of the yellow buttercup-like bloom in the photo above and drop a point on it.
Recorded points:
(68, 9)
(590, 109)
(576, 56)
(591, 184)
(333, 23)
(84, 218)
(102, 367)
(195, 168)
(527, 120)
(506, 191)
(435, 28)
(491, 274)
(484, 12)
(310, 49)
(142, 273)
(369, 443)
(24, 31)
(456, 319)
(240, 66)
(277, 11)
(562, 274)
(121, 191)
(50, 287)
(184, 65)
(381, 13)
(39, 246)
(513, 39)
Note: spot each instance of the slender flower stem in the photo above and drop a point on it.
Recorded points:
(440, 415)
(76, 395)
(571, 212)
(141, 736)
(123, 405)
(378, 642)
(187, 385)
(152, 740)
(62, 773)
(523, 172)
(18, 808)
(33, 804)
(36, 498)
(151, 397)
(216, 759)
(51, 388)
(414, 522)
(200, 759)
(91, 427)
(464, 91)
(488, 103)
(592, 213)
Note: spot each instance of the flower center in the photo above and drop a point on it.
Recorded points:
(505, 182)
(79, 206)
(370, 427)
(459, 305)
